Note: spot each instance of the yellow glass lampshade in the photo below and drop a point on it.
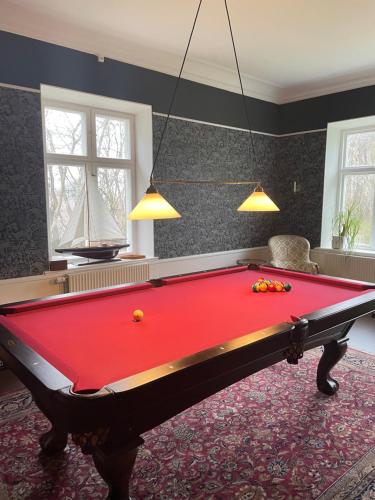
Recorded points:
(153, 206)
(258, 201)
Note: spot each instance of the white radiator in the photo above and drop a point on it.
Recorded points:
(99, 278)
(345, 266)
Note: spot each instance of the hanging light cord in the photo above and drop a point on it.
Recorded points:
(251, 144)
(174, 93)
(251, 139)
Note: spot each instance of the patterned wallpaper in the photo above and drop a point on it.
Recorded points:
(210, 221)
(23, 224)
(301, 158)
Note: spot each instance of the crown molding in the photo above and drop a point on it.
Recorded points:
(309, 91)
(26, 22)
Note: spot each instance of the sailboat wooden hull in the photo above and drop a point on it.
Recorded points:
(98, 252)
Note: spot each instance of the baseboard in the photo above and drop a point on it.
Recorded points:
(201, 262)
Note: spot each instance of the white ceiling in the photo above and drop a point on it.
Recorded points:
(288, 49)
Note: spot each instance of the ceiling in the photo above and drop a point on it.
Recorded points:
(288, 49)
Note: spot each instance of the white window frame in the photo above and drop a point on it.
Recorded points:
(344, 171)
(335, 172)
(91, 161)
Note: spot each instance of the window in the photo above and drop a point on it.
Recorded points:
(357, 181)
(90, 160)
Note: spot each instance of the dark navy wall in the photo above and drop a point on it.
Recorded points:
(29, 62)
(312, 114)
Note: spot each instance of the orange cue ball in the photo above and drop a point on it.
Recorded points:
(137, 315)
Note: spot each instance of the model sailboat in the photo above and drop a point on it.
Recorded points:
(92, 231)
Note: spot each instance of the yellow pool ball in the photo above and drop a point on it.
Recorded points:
(137, 315)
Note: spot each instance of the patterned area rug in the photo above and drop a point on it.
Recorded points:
(270, 436)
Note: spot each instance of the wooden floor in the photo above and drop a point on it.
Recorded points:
(361, 337)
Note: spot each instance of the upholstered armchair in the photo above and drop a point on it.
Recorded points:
(292, 252)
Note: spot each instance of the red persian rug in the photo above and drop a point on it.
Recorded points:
(270, 436)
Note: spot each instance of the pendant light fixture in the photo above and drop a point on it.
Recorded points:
(154, 206)
(258, 201)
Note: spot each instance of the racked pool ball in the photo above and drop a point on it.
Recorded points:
(287, 287)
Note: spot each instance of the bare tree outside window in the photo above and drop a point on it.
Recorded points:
(360, 149)
(112, 185)
(89, 189)
(359, 191)
(66, 185)
(65, 132)
(112, 137)
(358, 182)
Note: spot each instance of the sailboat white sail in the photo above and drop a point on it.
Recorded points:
(91, 221)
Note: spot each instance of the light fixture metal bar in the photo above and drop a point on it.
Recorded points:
(214, 183)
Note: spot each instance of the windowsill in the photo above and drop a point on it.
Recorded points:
(354, 253)
(72, 268)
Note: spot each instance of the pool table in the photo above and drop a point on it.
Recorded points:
(106, 379)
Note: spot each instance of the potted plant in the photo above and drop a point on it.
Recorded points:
(346, 227)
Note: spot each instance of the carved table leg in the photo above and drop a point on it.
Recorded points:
(116, 469)
(332, 354)
(53, 441)
(114, 456)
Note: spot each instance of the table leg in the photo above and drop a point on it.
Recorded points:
(53, 441)
(114, 456)
(332, 354)
(116, 469)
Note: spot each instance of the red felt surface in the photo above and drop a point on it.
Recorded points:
(95, 342)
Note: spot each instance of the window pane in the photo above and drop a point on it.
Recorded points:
(359, 191)
(66, 197)
(360, 149)
(112, 137)
(114, 189)
(65, 132)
